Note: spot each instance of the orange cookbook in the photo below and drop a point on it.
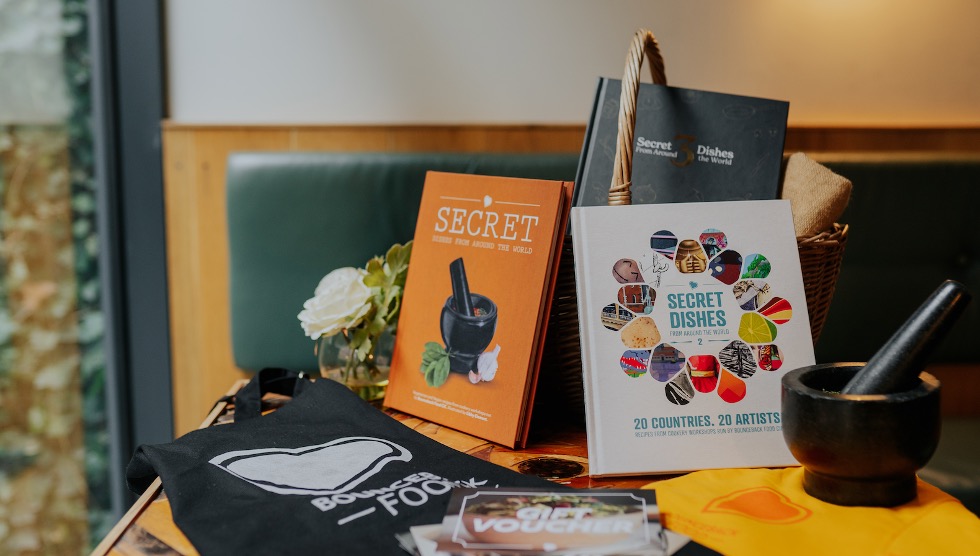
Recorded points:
(476, 302)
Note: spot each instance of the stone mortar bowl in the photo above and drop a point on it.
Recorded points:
(858, 450)
(467, 336)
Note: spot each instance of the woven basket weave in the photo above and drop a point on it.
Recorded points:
(560, 382)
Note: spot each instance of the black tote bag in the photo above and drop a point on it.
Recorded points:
(325, 474)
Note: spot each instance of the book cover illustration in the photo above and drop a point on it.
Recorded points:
(474, 311)
(467, 325)
(689, 146)
(690, 314)
(541, 521)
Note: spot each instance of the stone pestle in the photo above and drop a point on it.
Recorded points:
(896, 366)
(461, 288)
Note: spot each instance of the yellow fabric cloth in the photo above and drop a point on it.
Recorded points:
(766, 511)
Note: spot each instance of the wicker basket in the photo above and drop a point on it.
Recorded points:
(560, 383)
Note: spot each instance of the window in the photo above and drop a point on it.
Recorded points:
(54, 486)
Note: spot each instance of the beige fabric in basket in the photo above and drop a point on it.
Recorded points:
(818, 195)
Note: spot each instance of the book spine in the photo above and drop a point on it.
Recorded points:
(582, 289)
(583, 159)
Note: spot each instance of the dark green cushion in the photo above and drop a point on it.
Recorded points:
(293, 217)
(912, 225)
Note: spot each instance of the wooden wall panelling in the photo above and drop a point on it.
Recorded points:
(512, 138)
(197, 263)
(846, 139)
(354, 139)
(197, 244)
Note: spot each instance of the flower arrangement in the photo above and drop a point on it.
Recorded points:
(361, 304)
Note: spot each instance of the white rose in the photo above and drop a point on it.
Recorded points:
(340, 301)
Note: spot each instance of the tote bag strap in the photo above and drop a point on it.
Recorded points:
(248, 400)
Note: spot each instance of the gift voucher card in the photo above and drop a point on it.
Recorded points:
(539, 521)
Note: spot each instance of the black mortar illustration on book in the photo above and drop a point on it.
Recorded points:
(467, 324)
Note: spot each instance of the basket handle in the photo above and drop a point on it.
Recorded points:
(643, 43)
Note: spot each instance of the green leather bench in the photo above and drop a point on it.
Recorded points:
(912, 222)
(292, 217)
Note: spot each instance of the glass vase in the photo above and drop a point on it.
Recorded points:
(369, 378)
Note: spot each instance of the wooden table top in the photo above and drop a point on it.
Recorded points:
(559, 455)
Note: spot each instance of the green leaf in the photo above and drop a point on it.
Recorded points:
(374, 265)
(434, 347)
(432, 352)
(375, 274)
(357, 335)
(377, 325)
(398, 257)
(393, 312)
(400, 280)
(435, 364)
(429, 371)
(364, 349)
(441, 372)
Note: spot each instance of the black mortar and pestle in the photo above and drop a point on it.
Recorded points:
(862, 430)
(468, 322)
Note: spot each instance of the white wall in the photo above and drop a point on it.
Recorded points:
(846, 62)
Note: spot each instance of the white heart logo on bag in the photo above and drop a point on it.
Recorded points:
(330, 468)
(330, 471)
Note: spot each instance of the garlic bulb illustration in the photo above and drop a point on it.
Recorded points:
(486, 365)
